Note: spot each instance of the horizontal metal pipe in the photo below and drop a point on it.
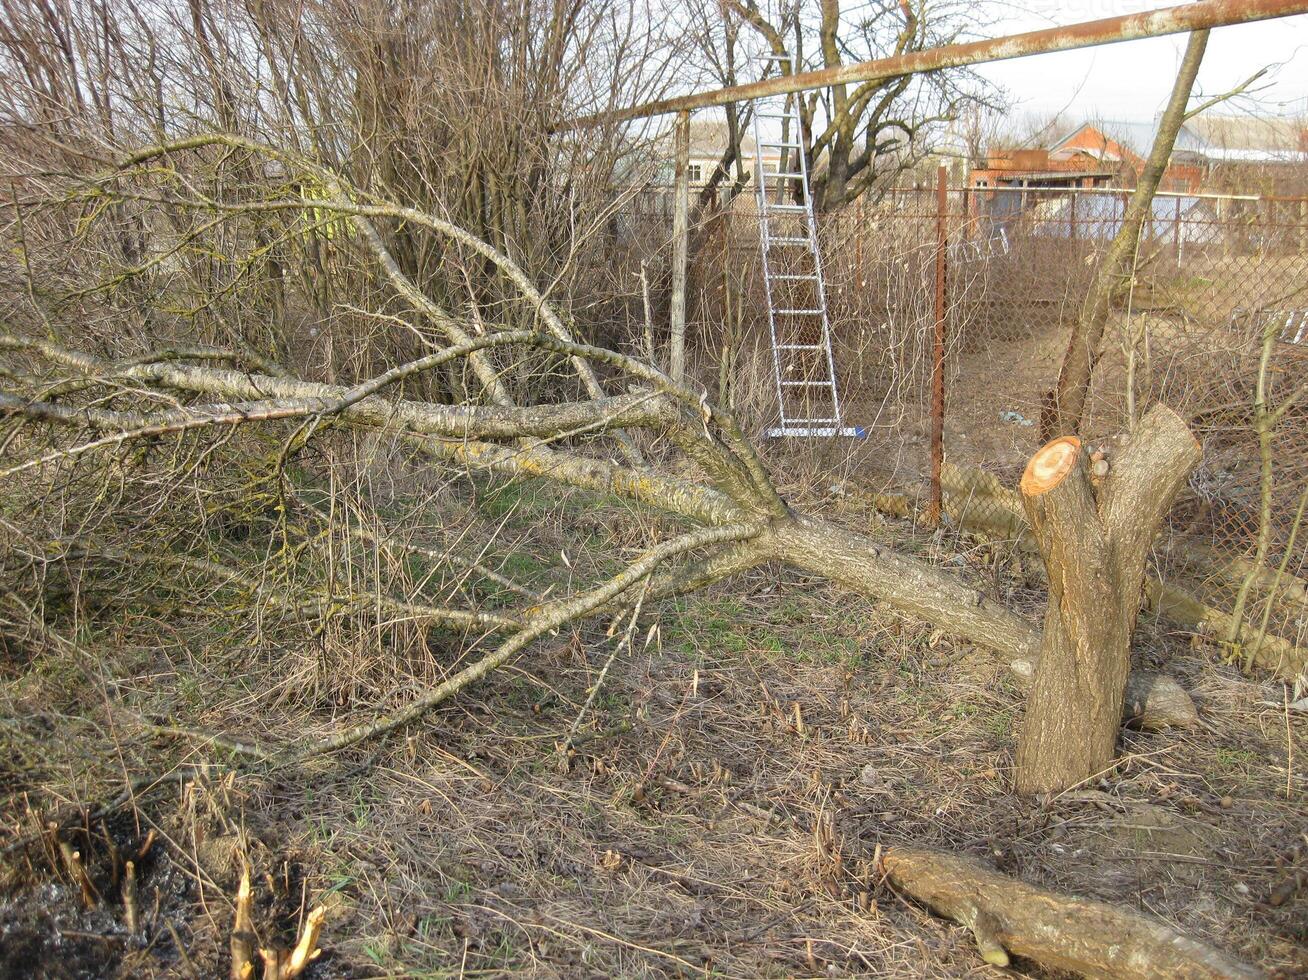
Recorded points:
(1109, 30)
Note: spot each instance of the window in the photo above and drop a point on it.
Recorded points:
(694, 173)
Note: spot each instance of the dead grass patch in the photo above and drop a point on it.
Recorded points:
(715, 812)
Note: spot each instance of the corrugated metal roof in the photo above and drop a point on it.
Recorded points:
(1235, 134)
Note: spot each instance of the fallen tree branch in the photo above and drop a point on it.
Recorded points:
(425, 423)
(818, 546)
(540, 621)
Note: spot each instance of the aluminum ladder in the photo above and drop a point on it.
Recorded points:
(808, 396)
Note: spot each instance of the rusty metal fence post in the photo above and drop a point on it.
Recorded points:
(1176, 232)
(680, 249)
(938, 351)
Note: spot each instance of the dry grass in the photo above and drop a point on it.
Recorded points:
(718, 811)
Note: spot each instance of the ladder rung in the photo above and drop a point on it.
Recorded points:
(780, 175)
(781, 145)
(786, 207)
(795, 278)
(799, 312)
(807, 384)
(803, 431)
(775, 115)
(789, 241)
(800, 347)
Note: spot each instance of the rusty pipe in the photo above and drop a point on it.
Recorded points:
(1109, 30)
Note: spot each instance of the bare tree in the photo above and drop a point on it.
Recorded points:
(446, 108)
(855, 137)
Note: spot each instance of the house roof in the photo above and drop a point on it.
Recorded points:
(709, 139)
(1213, 137)
(1253, 138)
(1137, 137)
(1053, 174)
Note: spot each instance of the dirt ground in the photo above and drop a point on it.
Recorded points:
(716, 811)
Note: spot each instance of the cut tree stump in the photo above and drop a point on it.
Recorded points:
(978, 503)
(1155, 702)
(1094, 541)
(1091, 938)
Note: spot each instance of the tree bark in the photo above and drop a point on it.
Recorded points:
(1065, 405)
(1056, 931)
(921, 590)
(1094, 549)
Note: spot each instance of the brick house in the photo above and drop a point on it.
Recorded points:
(1103, 154)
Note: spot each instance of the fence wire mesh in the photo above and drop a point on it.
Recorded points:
(1215, 324)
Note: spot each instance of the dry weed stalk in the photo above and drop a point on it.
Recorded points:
(278, 963)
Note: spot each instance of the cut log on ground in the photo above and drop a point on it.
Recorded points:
(1094, 545)
(1064, 932)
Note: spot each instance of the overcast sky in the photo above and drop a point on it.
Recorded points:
(1131, 80)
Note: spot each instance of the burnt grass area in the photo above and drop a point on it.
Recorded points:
(716, 810)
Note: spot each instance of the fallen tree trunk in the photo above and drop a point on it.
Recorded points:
(1094, 544)
(1153, 702)
(458, 433)
(1063, 932)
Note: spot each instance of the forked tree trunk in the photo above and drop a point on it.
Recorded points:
(1094, 541)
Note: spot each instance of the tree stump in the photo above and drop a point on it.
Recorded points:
(1094, 541)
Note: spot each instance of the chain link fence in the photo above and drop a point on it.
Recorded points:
(1214, 324)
